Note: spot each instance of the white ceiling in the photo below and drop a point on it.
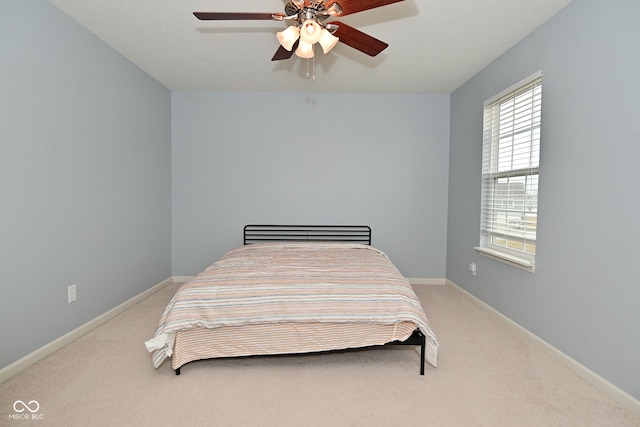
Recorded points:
(435, 46)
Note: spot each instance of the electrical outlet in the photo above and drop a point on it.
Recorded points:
(472, 268)
(71, 293)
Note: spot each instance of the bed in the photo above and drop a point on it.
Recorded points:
(293, 289)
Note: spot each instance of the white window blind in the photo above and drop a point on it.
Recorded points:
(510, 160)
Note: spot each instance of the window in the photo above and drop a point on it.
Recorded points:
(510, 159)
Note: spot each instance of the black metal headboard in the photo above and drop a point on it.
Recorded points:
(307, 233)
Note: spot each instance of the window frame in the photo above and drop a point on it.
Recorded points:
(492, 171)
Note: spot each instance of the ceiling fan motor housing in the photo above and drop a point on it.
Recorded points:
(315, 11)
(291, 8)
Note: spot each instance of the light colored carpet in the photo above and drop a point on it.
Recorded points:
(487, 376)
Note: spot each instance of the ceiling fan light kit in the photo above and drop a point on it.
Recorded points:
(310, 27)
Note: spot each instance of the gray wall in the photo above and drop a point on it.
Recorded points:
(380, 160)
(583, 297)
(85, 177)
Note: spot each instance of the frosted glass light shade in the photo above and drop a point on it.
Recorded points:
(311, 31)
(327, 41)
(288, 37)
(304, 50)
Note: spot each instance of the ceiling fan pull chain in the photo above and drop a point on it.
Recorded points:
(313, 67)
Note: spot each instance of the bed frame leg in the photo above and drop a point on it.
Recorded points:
(177, 371)
(422, 350)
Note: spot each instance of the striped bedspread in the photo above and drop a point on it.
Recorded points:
(289, 283)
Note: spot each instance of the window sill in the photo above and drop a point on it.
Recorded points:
(512, 260)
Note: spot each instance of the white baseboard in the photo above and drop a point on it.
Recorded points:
(31, 358)
(620, 396)
(423, 281)
(182, 279)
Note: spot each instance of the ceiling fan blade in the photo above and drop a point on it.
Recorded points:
(234, 16)
(355, 6)
(359, 40)
(283, 53)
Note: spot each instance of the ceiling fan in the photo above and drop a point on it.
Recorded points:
(309, 26)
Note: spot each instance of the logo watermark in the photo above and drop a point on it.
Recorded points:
(26, 410)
